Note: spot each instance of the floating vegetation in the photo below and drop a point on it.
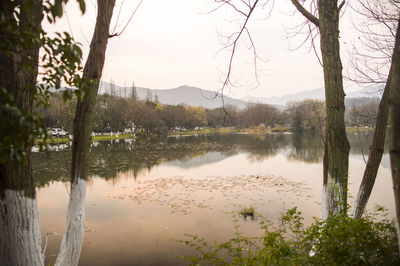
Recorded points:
(185, 195)
(248, 213)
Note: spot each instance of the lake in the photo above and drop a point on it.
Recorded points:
(142, 197)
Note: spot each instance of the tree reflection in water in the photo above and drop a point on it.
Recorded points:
(109, 158)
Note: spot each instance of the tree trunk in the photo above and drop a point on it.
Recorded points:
(20, 239)
(337, 145)
(394, 125)
(375, 154)
(325, 200)
(71, 242)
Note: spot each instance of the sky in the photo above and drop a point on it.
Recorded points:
(170, 43)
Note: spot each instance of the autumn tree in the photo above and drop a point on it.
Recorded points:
(195, 116)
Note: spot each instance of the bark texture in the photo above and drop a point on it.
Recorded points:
(71, 242)
(18, 73)
(394, 126)
(324, 200)
(375, 154)
(337, 146)
(20, 239)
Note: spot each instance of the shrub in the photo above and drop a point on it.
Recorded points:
(339, 240)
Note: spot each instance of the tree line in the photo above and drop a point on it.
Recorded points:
(114, 113)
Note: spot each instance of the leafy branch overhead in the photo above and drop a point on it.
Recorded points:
(59, 65)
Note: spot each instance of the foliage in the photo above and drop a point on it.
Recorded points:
(342, 240)
(248, 212)
(60, 63)
(339, 240)
(280, 129)
(307, 115)
(113, 113)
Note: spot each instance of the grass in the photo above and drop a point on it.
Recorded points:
(248, 212)
(358, 129)
(281, 129)
(225, 130)
(109, 137)
(94, 138)
(52, 140)
(205, 131)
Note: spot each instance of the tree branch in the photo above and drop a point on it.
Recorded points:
(114, 34)
(341, 5)
(305, 13)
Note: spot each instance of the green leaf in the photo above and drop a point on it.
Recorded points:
(82, 6)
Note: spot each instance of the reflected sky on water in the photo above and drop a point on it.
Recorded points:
(140, 196)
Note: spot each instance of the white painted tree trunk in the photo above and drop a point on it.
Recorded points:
(20, 239)
(71, 243)
(333, 201)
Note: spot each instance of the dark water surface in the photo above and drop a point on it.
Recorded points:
(142, 196)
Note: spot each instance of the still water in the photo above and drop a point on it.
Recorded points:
(141, 198)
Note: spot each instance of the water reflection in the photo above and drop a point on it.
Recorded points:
(142, 194)
(108, 158)
(306, 148)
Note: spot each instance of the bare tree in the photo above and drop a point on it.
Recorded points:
(370, 68)
(372, 50)
(149, 96)
(134, 95)
(324, 16)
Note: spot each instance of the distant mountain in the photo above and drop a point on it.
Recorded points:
(370, 92)
(283, 100)
(318, 94)
(187, 95)
(193, 96)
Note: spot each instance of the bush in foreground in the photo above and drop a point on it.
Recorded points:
(339, 240)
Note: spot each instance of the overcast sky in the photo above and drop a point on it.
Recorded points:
(170, 43)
